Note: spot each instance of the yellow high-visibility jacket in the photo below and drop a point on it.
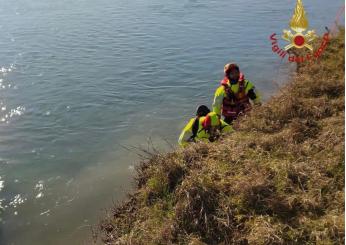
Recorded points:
(220, 94)
(186, 134)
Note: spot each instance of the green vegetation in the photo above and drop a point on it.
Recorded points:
(279, 179)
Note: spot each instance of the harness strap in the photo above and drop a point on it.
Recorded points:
(229, 92)
(195, 127)
(241, 91)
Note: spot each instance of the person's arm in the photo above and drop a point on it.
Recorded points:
(252, 93)
(218, 100)
(186, 134)
(225, 127)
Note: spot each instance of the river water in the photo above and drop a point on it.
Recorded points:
(84, 84)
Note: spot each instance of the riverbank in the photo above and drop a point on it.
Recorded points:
(279, 179)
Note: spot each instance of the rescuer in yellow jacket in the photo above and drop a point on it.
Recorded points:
(206, 126)
(233, 96)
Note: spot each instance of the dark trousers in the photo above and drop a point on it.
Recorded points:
(229, 120)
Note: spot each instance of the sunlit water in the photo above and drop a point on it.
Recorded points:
(84, 83)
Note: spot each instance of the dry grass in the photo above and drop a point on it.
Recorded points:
(278, 180)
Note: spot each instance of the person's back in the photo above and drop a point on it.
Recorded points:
(189, 135)
(203, 128)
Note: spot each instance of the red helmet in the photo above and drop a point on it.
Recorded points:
(229, 67)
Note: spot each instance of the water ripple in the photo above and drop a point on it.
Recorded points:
(6, 115)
